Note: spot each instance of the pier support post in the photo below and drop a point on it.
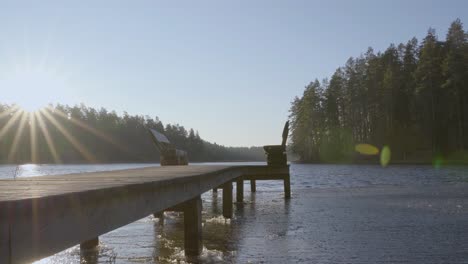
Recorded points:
(89, 244)
(227, 200)
(215, 190)
(193, 227)
(160, 216)
(253, 186)
(240, 191)
(287, 186)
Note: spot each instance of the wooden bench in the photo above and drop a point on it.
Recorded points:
(169, 154)
(276, 157)
(277, 169)
(276, 154)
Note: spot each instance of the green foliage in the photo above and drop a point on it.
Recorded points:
(106, 136)
(412, 98)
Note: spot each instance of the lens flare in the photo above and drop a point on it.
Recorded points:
(385, 156)
(72, 139)
(366, 149)
(48, 138)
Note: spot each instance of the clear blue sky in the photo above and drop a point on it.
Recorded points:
(227, 69)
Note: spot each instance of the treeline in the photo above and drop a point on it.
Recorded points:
(412, 97)
(81, 134)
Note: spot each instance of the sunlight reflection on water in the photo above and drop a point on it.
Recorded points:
(33, 170)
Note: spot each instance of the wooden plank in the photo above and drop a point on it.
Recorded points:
(36, 187)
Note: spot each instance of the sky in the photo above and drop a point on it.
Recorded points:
(228, 69)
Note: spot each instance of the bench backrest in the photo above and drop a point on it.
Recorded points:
(285, 133)
(169, 154)
(161, 140)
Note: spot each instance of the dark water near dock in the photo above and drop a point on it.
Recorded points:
(337, 214)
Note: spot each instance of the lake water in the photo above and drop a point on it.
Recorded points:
(337, 214)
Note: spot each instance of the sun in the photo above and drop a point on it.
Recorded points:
(32, 89)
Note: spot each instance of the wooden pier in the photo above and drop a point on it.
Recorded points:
(40, 216)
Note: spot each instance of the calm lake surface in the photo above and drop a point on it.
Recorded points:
(337, 214)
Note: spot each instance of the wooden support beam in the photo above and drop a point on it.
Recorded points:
(176, 208)
(227, 200)
(240, 191)
(253, 186)
(160, 216)
(193, 227)
(89, 244)
(287, 186)
(89, 255)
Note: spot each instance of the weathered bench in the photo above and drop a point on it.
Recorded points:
(277, 166)
(276, 157)
(169, 154)
(276, 154)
